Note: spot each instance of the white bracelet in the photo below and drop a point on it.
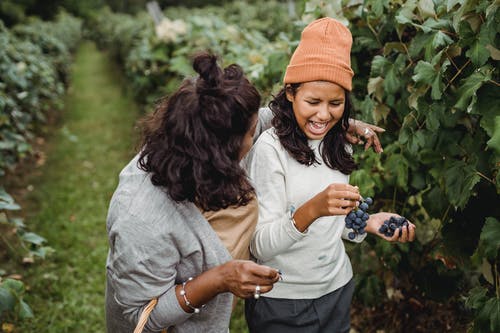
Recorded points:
(186, 301)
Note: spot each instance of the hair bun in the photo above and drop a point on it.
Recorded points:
(210, 73)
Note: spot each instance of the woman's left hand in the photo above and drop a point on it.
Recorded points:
(359, 129)
(376, 220)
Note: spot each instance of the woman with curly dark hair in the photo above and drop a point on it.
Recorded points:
(162, 247)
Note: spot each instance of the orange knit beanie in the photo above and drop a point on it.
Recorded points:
(323, 54)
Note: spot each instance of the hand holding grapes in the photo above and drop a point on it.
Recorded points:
(400, 233)
(335, 199)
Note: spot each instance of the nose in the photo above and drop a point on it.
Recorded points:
(323, 113)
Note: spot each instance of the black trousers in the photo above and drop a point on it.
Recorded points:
(327, 314)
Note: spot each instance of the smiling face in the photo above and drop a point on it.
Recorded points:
(317, 106)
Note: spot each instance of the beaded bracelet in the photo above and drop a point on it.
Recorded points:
(186, 301)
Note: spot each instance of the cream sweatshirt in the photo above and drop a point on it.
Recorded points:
(313, 263)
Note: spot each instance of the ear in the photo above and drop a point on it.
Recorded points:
(289, 93)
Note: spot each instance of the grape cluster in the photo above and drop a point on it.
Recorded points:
(356, 219)
(391, 225)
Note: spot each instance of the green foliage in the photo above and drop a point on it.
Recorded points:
(34, 70)
(11, 299)
(156, 61)
(430, 71)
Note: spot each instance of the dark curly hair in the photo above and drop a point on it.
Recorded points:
(191, 143)
(334, 146)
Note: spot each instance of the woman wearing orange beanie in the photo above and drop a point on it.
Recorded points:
(300, 169)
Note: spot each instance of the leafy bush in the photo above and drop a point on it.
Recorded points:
(157, 61)
(34, 71)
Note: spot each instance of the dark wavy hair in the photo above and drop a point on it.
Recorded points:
(333, 148)
(192, 142)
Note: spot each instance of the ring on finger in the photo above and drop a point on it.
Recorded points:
(367, 130)
(256, 294)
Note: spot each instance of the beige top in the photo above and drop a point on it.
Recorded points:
(235, 227)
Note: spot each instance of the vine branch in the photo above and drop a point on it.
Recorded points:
(456, 74)
(494, 82)
(483, 176)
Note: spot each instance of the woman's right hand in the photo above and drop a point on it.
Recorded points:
(335, 199)
(241, 277)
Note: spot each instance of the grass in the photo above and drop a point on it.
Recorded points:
(84, 157)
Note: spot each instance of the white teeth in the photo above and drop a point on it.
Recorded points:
(318, 125)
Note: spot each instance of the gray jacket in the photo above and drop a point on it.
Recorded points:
(155, 243)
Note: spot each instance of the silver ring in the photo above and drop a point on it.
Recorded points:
(256, 294)
(367, 130)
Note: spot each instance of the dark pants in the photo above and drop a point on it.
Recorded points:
(327, 314)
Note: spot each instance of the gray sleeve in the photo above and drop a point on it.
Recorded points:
(141, 266)
(264, 122)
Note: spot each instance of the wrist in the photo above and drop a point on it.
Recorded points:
(219, 277)
(303, 217)
(352, 124)
(371, 227)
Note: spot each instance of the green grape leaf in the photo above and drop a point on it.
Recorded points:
(377, 8)
(437, 88)
(397, 165)
(494, 52)
(7, 300)
(9, 206)
(391, 81)
(477, 297)
(378, 65)
(494, 142)
(33, 238)
(418, 43)
(478, 53)
(405, 14)
(450, 4)
(16, 286)
(25, 310)
(440, 39)
(424, 73)
(489, 313)
(4, 196)
(426, 8)
(495, 315)
(432, 120)
(470, 85)
(460, 178)
(465, 7)
(490, 238)
(375, 87)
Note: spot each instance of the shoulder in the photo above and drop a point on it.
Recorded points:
(268, 138)
(268, 145)
(267, 153)
(139, 205)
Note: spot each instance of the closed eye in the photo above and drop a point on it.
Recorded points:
(313, 102)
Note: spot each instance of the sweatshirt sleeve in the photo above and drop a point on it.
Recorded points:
(141, 266)
(275, 232)
(264, 122)
(357, 239)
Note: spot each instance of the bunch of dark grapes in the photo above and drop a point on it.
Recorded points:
(391, 225)
(356, 219)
